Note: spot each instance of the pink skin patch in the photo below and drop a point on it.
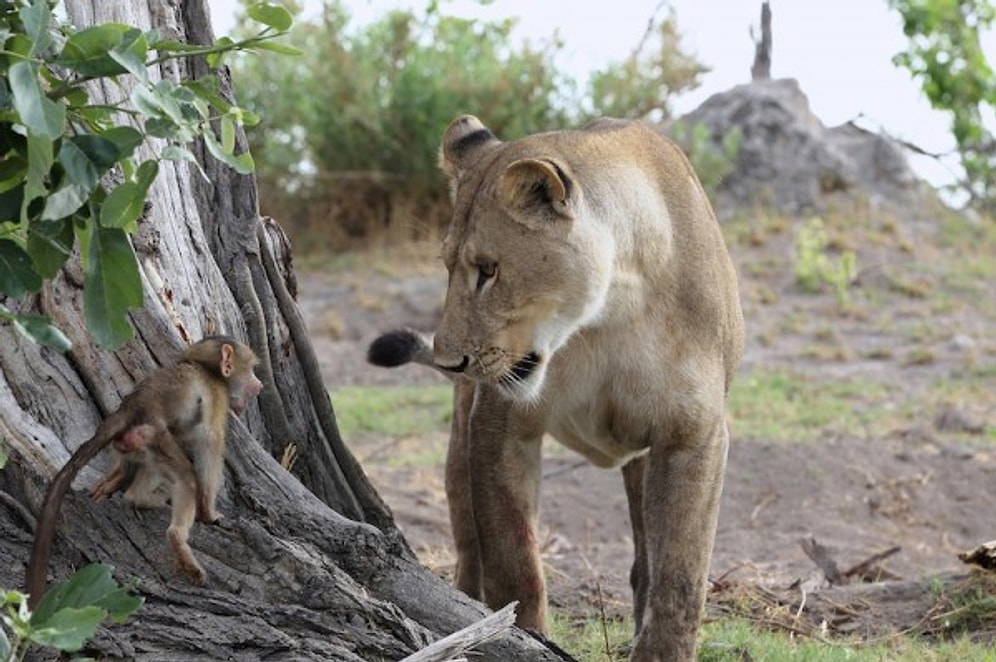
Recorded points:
(134, 438)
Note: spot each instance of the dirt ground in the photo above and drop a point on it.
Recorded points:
(923, 480)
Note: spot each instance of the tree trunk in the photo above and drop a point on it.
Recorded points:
(761, 69)
(307, 564)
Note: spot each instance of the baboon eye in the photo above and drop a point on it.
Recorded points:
(485, 272)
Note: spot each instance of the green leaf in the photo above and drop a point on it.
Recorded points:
(125, 140)
(68, 629)
(112, 286)
(120, 604)
(39, 329)
(11, 203)
(17, 275)
(86, 587)
(96, 117)
(143, 99)
(242, 163)
(177, 153)
(131, 62)
(8, 597)
(158, 101)
(4, 642)
(92, 585)
(249, 118)
(40, 160)
(14, 163)
(64, 201)
(209, 93)
(77, 97)
(36, 18)
(125, 203)
(19, 44)
(277, 47)
(271, 15)
(49, 245)
(227, 134)
(41, 115)
(214, 60)
(86, 158)
(146, 173)
(88, 52)
(161, 127)
(131, 54)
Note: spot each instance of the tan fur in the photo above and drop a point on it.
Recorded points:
(591, 297)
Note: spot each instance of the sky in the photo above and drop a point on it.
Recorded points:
(840, 52)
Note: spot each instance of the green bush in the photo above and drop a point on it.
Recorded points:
(945, 54)
(814, 267)
(349, 133)
(711, 164)
(641, 86)
(376, 99)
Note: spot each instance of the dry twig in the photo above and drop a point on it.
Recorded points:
(452, 648)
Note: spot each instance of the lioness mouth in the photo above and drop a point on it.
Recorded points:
(525, 367)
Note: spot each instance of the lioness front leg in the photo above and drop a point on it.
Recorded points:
(684, 480)
(458, 494)
(505, 480)
(634, 477)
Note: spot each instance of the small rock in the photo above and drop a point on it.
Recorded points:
(958, 452)
(952, 419)
(962, 343)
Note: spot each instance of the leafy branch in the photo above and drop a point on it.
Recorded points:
(68, 614)
(945, 54)
(71, 170)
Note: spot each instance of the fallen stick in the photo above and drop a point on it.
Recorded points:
(863, 569)
(452, 647)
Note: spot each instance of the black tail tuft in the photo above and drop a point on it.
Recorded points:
(394, 348)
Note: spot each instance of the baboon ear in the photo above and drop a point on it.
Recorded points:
(464, 142)
(537, 190)
(227, 366)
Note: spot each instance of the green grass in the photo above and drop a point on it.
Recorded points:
(778, 405)
(585, 638)
(393, 411)
(734, 639)
(781, 405)
(775, 405)
(789, 406)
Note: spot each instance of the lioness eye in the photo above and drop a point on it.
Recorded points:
(485, 272)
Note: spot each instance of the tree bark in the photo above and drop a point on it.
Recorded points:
(761, 69)
(307, 564)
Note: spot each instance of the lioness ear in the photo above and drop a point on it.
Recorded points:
(536, 190)
(464, 142)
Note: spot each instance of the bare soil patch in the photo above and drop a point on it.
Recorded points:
(922, 476)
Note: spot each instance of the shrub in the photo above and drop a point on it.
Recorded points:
(347, 144)
(814, 267)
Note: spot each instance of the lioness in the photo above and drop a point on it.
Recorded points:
(590, 297)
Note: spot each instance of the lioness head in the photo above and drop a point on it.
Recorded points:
(527, 268)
